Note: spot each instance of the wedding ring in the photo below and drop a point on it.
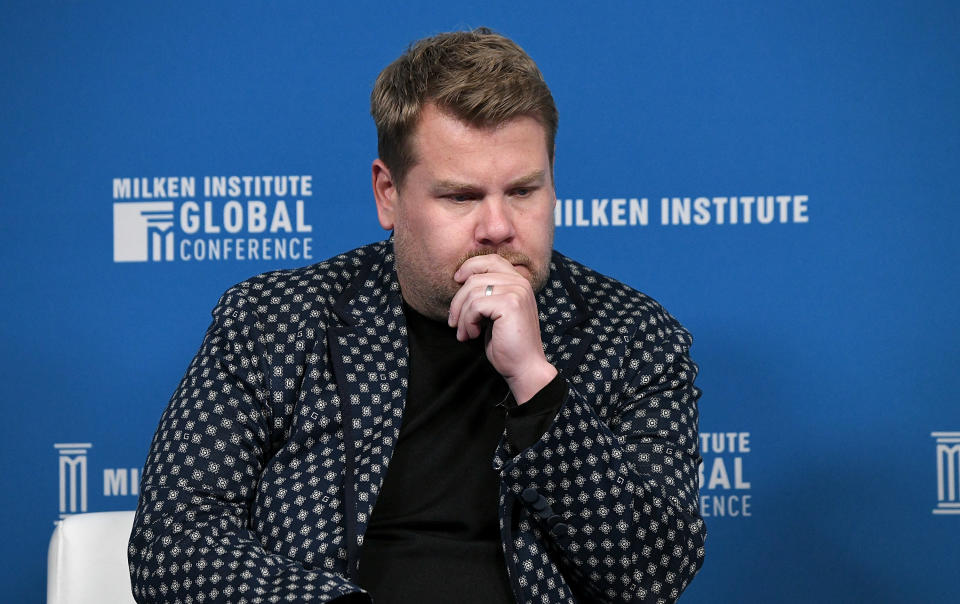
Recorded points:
(488, 291)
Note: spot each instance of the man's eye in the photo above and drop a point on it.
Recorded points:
(522, 192)
(460, 197)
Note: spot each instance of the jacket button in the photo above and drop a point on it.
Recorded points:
(553, 520)
(529, 495)
(560, 530)
(540, 504)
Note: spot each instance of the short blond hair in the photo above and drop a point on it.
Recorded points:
(479, 76)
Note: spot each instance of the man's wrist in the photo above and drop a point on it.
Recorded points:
(529, 382)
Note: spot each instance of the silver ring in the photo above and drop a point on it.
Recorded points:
(488, 291)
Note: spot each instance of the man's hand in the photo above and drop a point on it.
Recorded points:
(507, 314)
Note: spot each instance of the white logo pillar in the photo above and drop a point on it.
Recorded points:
(73, 477)
(948, 472)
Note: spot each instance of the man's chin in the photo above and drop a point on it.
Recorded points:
(437, 306)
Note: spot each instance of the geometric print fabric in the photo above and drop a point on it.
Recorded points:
(265, 467)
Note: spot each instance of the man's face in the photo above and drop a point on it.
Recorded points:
(471, 191)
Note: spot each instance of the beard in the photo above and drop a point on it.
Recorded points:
(429, 287)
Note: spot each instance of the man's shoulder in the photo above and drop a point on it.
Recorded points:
(609, 301)
(326, 279)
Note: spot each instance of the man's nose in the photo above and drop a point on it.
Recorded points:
(495, 223)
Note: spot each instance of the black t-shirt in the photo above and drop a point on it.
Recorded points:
(434, 534)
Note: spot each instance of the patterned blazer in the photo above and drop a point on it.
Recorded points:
(267, 462)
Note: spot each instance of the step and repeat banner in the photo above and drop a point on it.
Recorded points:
(782, 177)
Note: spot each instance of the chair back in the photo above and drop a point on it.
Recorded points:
(87, 559)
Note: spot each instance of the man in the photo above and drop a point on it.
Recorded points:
(538, 419)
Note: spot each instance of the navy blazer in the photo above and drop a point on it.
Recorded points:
(266, 465)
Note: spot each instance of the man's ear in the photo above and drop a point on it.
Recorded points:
(385, 192)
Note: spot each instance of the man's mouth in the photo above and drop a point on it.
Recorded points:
(517, 259)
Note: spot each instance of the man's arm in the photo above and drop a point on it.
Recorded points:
(616, 496)
(192, 531)
(623, 487)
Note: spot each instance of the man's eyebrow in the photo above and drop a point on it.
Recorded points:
(529, 179)
(452, 185)
(445, 185)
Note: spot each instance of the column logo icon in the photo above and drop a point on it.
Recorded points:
(948, 472)
(143, 231)
(73, 477)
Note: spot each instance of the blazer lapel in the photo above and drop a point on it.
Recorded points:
(562, 316)
(368, 351)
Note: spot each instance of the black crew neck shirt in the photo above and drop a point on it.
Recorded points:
(434, 533)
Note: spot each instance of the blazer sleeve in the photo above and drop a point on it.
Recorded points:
(614, 493)
(191, 539)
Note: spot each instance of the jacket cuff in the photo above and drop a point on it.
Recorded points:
(526, 423)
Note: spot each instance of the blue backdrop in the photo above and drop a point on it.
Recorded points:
(825, 325)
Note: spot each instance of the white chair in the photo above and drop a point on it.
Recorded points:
(87, 560)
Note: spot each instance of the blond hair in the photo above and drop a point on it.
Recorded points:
(480, 77)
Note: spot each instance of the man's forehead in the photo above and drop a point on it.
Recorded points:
(454, 147)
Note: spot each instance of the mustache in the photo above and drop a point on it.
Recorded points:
(511, 256)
